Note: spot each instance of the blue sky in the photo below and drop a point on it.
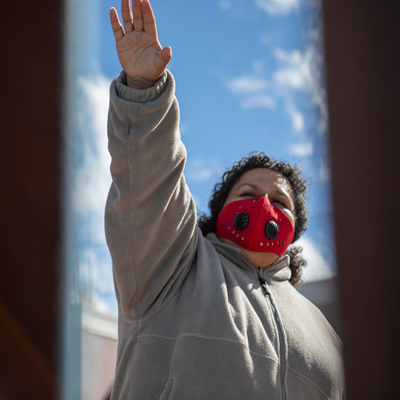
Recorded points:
(249, 77)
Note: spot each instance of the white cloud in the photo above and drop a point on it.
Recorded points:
(276, 7)
(89, 186)
(104, 305)
(92, 177)
(295, 86)
(262, 100)
(200, 169)
(247, 84)
(96, 268)
(301, 150)
(303, 72)
(252, 89)
(257, 92)
(318, 267)
(296, 116)
(295, 72)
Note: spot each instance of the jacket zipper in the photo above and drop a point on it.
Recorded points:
(266, 293)
(280, 334)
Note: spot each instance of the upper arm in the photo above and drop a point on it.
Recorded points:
(150, 213)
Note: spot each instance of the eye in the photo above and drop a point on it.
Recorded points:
(279, 202)
(247, 194)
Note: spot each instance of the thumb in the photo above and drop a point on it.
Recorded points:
(164, 57)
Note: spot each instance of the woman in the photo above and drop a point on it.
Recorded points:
(287, 190)
(200, 317)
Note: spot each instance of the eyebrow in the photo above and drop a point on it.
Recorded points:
(253, 185)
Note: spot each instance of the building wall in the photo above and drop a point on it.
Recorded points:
(325, 295)
(99, 354)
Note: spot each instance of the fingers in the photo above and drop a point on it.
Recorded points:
(137, 15)
(149, 21)
(127, 16)
(140, 18)
(116, 25)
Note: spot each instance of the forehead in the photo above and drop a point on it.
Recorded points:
(264, 178)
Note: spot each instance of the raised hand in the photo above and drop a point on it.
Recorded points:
(139, 51)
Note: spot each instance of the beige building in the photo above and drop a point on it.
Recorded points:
(98, 353)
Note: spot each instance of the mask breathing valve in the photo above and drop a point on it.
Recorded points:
(241, 220)
(271, 230)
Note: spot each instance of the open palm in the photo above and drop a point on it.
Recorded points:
(139, 51)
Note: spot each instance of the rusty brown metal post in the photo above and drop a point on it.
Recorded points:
(31, 49)
(363, 64)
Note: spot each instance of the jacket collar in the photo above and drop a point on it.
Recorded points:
(278, 271)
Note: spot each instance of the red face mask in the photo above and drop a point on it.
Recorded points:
(256, 225)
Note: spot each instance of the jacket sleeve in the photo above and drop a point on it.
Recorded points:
(150, 215)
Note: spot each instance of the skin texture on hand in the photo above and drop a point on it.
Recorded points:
(139, 51)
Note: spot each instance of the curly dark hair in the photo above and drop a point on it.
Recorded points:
(298, 184)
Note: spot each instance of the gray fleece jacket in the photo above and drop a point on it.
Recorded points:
(197, 319)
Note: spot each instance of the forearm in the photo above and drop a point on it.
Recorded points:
(150, 216)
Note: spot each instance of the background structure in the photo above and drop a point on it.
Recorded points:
(31, 97)
(363, 64)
